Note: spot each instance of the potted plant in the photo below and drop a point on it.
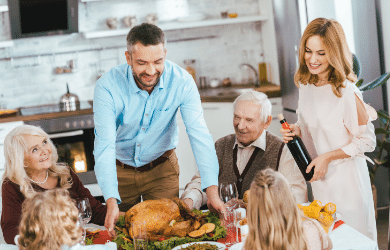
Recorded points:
(382, 155)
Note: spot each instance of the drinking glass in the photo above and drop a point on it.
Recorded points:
(85, 210)
(227, 191)
(230, 223)
(81, 224)
(140, 239)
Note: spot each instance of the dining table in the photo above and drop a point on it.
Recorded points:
(343, 237)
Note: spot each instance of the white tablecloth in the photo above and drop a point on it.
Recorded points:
(345, 237)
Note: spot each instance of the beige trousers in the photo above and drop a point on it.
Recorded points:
(160, 182)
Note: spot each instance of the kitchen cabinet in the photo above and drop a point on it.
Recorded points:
(277, 109)
(219, 120)
(180, 25)
(261, 17)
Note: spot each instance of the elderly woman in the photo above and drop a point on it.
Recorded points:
(50, 221)
(31, 166)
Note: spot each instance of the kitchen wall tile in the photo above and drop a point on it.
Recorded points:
(28, 81)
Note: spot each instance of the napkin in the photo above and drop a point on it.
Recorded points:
(102, 237)
(337, 224)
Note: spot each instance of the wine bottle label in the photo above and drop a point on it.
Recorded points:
(286, 126)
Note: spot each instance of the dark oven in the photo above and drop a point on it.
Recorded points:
(73, 137)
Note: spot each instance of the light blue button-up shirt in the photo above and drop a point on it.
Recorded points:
(136, 128)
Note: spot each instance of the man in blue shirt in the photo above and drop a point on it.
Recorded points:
(136, 132)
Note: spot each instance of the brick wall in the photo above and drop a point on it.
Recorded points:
(31, 80)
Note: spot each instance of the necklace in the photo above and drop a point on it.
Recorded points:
(37, 182)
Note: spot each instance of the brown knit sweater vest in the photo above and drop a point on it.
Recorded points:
(268, 159)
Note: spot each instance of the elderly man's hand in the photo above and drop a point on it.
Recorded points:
(214, 203)
(189, 202)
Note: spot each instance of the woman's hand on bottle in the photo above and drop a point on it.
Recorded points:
(321, 167)
(288, 135)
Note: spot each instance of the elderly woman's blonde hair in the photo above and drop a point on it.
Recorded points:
(15, 148)
(49, 221)
(337, 53)
(273, 217)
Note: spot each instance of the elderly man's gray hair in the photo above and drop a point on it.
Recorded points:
(260, 99)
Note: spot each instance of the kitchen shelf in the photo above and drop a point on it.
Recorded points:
(179, 25)
(8, 43)
(3, 8)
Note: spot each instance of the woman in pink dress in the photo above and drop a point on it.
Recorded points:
(335, 124)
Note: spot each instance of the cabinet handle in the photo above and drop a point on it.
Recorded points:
(67, 134)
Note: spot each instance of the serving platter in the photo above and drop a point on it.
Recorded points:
(218, 244)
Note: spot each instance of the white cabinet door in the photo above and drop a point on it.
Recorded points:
(185, 156)
(219, 120)
(276, 110)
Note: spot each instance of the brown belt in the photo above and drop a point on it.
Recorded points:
(150, 165)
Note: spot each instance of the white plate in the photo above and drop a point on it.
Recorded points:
(237, 246)
(219, 245)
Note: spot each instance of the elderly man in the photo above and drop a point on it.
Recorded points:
(249, 150)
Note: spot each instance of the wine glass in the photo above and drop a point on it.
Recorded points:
(227, 191)
(85, 210)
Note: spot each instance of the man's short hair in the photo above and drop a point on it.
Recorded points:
(146, 34)
(260, 99)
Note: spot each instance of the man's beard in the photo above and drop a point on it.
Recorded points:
(139, 81)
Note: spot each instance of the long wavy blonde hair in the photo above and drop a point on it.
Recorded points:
(337, 53)
(49, 221)
(273, 217)
(15, 148)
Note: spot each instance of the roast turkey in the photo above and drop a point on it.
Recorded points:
(164, 218)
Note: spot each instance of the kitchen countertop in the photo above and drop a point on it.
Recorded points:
(229, 94)
(18, 117)
(226, 94)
